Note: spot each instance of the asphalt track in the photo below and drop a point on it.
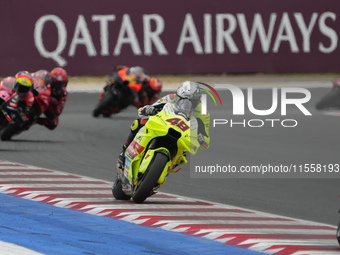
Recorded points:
(89, 147)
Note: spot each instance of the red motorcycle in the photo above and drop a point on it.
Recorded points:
(14, 120)
(126, 86)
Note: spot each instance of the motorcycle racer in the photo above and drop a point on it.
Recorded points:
(188, 91)
(57, 81)
(153, 89)
(139, 88)
(22, 88)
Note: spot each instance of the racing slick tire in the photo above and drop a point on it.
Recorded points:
(149, 180)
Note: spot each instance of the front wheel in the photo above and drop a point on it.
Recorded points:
(10, 130)
(149, 180)
(117, 191)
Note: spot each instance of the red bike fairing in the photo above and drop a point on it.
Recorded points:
(5, 94)
(44, 94)
(8, 83)
(44, 75)
(26, 99)
(6, 88)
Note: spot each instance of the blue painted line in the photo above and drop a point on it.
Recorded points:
(51, 230)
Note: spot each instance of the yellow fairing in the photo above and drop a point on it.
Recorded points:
(139, 155)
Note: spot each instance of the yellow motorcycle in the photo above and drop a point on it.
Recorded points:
(160, 147)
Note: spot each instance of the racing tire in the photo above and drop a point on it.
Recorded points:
(10, 130)
(105, 103)
(328, 100)
(150, 178)
(117, 191)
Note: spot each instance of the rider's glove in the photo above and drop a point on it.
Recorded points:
(148, 110)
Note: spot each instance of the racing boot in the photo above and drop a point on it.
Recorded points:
(126, 186)
(121, 161)
(121, 158)
(120, 167)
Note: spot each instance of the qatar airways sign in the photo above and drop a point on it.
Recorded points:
(172, 37)
(225, 26)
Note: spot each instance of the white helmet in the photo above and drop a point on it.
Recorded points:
(189, 90)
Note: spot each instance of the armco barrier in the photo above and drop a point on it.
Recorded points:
(170, 37)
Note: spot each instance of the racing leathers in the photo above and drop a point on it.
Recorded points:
(136, 88)
(25, 103)
(57, 102)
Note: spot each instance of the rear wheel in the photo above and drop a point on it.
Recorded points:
(149, 180)
(117, 191)
(106, 102)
